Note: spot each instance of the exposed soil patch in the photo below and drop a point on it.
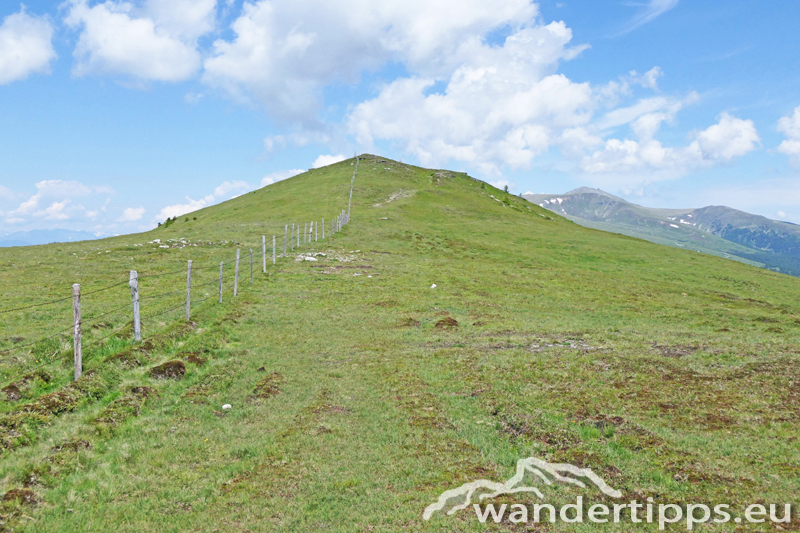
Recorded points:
(195, 360)
(447, 323)
(409, 323)
(388, 303)
(72, 446)
(269, 386)
(169, 370)
(572, 344)
(22, 496)
(675, 351)
(533, 428)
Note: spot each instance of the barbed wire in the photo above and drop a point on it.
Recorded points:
(35, 305)
(7, 350)
(95, 318)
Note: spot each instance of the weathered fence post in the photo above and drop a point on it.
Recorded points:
(220, 280)
(316, 233)
(137, 325)
(236, 275)
(251, 266)
(189, 290)
(76, 330)
(285, 232)
(292, 239)
(273, 249)
(264, 253)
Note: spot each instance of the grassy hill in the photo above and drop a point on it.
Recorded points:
(360, 392)
(716, 230)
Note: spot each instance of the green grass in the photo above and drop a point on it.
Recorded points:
(669, 373)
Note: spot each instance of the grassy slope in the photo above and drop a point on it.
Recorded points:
(378, 410)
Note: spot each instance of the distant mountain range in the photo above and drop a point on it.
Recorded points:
(45, 236)
(716, 230)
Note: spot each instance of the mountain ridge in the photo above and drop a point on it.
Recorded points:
(714, 229)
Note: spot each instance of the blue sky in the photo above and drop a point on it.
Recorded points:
(115, 115)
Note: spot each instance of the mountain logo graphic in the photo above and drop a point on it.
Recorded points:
(457, 499)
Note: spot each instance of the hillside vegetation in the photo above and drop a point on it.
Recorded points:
(359, 392)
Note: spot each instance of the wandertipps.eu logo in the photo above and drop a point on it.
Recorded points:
(542, 472)
(533, 474)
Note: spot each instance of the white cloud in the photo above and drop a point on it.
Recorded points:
(6, 193)
(220, 193)
(25, 46)
(56, 211)
(269, 179)
(132, 214)
(653, 10)
(325, 160)
(51, 189)
(649, 79)
(790, 127)
(501, 107)
(155, 42)
(285, 51)
(730, 137)
(192, 97)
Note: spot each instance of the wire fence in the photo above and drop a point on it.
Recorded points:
(126, 308)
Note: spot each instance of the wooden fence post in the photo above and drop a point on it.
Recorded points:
(220, 281)
(264, 253)
(76, 330)
(285, 233)
(316, 233)
(273, 249)
(251, 266)
(189, 290)
(236, 275)
(137, 325)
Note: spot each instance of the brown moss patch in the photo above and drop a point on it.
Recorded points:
(447, 323)
(169, 370)
(15, 390)
(409, 323)
(123, 408)
(195, 360)
(21, 496)
(268, 386)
